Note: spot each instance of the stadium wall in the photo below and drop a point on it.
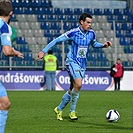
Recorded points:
(35, 80)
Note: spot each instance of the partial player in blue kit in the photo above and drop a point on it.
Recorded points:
(81, 38)
(7, 49)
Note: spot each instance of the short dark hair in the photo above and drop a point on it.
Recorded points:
(84, 16)
(5, 7)
(50, 51)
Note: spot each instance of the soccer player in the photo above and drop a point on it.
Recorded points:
(7, 49)
(81, 38)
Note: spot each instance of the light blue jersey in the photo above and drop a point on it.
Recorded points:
(5, 33)
(5, 36)
(80, 43)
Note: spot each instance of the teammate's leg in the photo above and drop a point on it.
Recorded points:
(4, 107)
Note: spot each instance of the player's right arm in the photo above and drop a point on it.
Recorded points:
(66, 36)
(61, 38)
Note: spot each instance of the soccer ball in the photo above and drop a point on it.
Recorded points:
(112, 115)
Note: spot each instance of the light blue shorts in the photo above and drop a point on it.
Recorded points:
(75, 71)
(2, 90)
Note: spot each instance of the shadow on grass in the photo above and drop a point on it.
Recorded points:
(67, 118)
(107, 125)
(99, 125)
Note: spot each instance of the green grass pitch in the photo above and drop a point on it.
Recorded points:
(32, 112)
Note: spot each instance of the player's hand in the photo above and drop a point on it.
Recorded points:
(40, 56)
(20, 55)
(108, 44)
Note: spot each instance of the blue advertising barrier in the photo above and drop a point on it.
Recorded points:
(35, 80)
(22, 80)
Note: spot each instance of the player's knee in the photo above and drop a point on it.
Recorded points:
(78, 85)
(6, 105)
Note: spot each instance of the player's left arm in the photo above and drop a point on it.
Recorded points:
(107, 44)
(7, 48)
(10, 51)
(96, 44)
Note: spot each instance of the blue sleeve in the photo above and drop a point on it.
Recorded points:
(6, 40)
(96, 44)
(52, 43)
(6, 33)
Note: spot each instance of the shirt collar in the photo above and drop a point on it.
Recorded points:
(84, 32)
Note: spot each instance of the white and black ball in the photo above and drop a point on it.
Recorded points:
(112, 115)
